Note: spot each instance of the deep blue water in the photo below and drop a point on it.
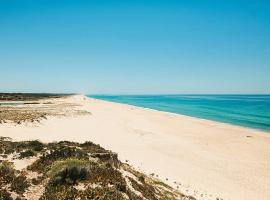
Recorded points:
(245, 110)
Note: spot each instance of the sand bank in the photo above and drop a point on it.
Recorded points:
(203, 158)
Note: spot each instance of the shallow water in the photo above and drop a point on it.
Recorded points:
(245, 110)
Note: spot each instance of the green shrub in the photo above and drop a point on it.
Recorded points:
(19, 184)
(68, 172)
(90, 147)
(7, 172)
(58, 153)
(26, 154)
(36, 145)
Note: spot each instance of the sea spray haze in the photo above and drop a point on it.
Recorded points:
(245, 110)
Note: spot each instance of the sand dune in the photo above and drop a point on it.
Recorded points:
(201, 157)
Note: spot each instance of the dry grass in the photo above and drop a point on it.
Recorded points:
(29, 108)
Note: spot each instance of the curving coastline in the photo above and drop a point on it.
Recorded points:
(205, 159)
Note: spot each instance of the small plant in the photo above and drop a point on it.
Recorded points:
(5, 195)
(58, 152)
(121, 186)
(92, 148)
(19, 184)
(70, 175)
(37, 181)
(36, 145)
(68, 172)
(141, 179)
(26, 154)
(60, 192)
(7, 172)
(104, 193)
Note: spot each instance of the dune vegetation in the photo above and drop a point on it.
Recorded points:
(70, 170)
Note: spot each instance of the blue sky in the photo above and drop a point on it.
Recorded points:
(135, 47)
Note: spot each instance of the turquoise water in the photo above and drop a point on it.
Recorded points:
(245, 110)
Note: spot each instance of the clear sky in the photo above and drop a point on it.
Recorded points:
(135, 47)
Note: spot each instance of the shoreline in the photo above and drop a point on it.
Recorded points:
(262, 131)
(200, 157)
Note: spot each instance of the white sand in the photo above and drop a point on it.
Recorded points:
(215, 159)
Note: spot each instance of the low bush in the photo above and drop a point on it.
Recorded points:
(26, 154)
(19, 184)
(7, 172)
(104, 193)
(60, 192)
(69, 171)
(36, 145)
(5, 195)
(142, 179)
(57, 153)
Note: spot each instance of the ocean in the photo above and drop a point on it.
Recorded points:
(251, 111)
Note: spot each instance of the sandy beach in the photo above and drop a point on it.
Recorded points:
(202, 158)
